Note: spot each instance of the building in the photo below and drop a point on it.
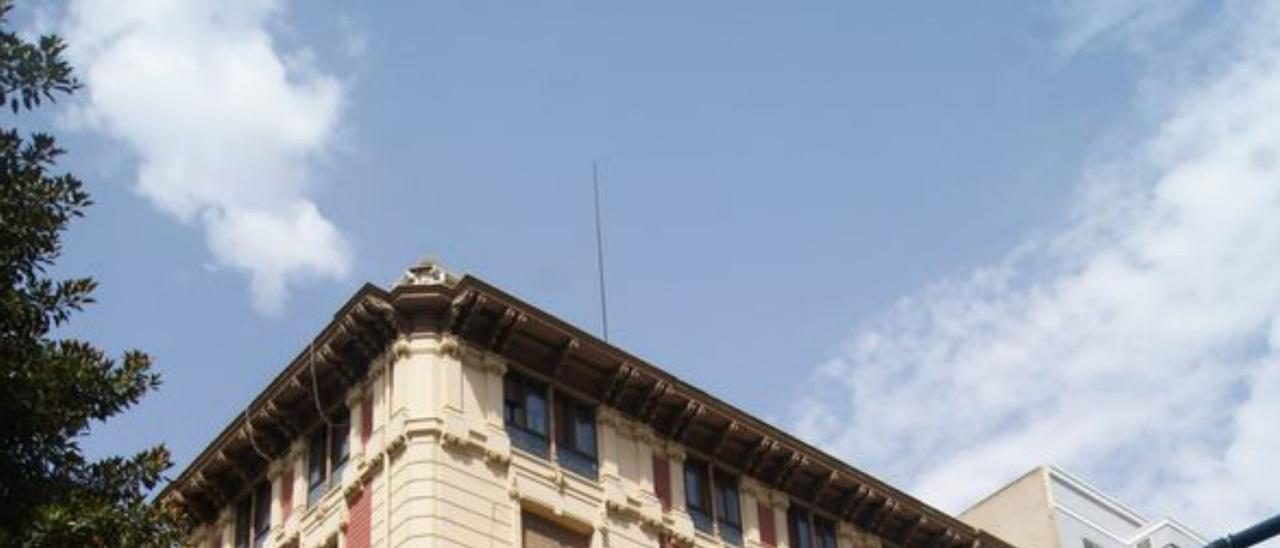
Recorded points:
(445, 412)
(1049, 508)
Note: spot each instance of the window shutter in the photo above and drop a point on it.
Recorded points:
(662, 481)
(768, 535)
(286, 492)
(358, 534)
(366, 419)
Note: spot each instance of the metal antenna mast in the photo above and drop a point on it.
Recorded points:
(604, 308)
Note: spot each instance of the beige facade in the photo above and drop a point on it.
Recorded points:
(431, 459)
(1050, 508)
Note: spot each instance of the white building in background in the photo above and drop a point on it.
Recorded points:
(1049, 508)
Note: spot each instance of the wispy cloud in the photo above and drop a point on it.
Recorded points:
(1140, 343)
(226, 128)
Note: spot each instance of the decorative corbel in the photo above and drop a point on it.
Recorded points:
(476, 304)
(852, 500)
(561, 356)
(617, 383)
(881, 517)
(758, 453)
(501, 326)
(691, 411)
(232, 465)
(911, 529)
(724, 436)
(650, 406)
(825, 483)
(787, 469)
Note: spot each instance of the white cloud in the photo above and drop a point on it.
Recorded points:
(1139, 345)
(225, 126)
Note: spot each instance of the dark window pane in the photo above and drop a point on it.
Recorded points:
(261, 513)
(535, 402)
(584, 426)
(564, 422)
(525, 414)
(512, 402)
(798, 528)
(517, 391)
(244, 515)
(317, 468)
(826, 533)
(578, 463)
(576, 437)
(340, 438)
(728, 508)
(315, 456)
(528, 441)
(697, 490)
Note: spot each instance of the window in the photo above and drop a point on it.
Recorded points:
(244, 519)
(261, 514)
(327, 453)
(576, 437)
(826, 532)
(253, 517)
(531, 421)
(697, 494)
(723, 515)
(525, 413)
(728, 509)
(809, 531)
(799, 529)
(339, 442)
(317, 469)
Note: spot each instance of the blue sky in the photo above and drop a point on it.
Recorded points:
(840, 217)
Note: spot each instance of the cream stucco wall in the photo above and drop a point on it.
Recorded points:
(1020, 513)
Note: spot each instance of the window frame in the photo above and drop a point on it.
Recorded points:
(799, 518)
(518, 390)
(570, 418)
(262, 500)
(252, 525)
(328, 451)
(543, 421)
(825, 534)
(823, 530)
(724, 488)
(703, 512)
(242, 529)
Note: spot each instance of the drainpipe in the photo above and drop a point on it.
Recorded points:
(1262, 531)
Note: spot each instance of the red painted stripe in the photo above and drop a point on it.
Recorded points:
(358, 516)
(662, 481)
(768, 533)
(286, 492)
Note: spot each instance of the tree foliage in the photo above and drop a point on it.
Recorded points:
(53, 389)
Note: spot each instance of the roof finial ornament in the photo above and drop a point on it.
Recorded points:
(427, 271)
